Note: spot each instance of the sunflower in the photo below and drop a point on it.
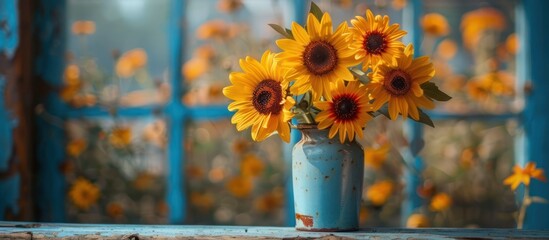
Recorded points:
(83, 193)
(319, 55)
(346, 113)
(399, 85)
(259, 98)
(374, 40)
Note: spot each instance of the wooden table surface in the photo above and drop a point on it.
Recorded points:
(25, 230)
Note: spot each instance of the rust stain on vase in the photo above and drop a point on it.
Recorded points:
(307, 220)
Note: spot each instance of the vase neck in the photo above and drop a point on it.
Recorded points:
(311, 132)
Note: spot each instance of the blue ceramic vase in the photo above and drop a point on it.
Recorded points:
(327, 181)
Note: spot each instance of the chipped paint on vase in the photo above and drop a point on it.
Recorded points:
(327, 181)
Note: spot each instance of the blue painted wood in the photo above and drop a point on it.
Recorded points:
(207, 112)
(24, 230)
(49, 24)
(536, 116)
(412, 15)
(176, 111)
(436, 115)
(9, 27)
(300, 8)
(9, 40)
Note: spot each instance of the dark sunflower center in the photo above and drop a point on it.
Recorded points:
(374, 43)
(398, 82)
(345, 108)
(320, 57)
(267, 97)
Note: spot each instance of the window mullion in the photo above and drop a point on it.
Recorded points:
(175, 113)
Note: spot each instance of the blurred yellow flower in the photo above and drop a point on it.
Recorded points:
(155, 133)
(467, 159)
(240, 186)
(344, 3)
(83, 27)
(83, 194)
(229, 6)
(241, 145)
(447, 49)
(205, 52)
(375, 157)
(251, 166)
(72, 75)
(83, 100)
(144, 181)
(194, 68)
(120, 136)
(75, 147)
(440, 202)
(124, 68)
(363, 215)
(270, 202)
(417, 220)
(523, 175)
(399, 4)
(137, 57)
(512, 43)
(214, 29)
(194, 172)
(435, 24)
(500, 83)
(202, 201)
(130, 61)
(68, 92)
(216, 174)
(475, 22)
(379, 192)
(115, 210)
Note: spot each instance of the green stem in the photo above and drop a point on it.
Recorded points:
(523, 206)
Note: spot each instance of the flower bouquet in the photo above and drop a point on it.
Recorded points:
(332, 81)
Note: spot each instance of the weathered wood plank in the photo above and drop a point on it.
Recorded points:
(18, 230)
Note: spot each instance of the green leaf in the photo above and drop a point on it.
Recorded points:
(424, 118)
(283, 31)
(315, 10)
(431, 90)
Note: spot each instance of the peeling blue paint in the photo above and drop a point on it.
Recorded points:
(6, 125)
(9, 27)
(536, 117)
(10, 189)
(9, 39)
(49, 26)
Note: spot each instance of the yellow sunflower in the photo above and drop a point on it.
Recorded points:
(319, 55)
(399, 85)
(259, 98)
(346, 113)
(83, 193)
(374, 40)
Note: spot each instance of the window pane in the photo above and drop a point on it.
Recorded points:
(468, 160)
(116, 171)
(218, 34)
(231, 179)
(117, 53)
(473, 45)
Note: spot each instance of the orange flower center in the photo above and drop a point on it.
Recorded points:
(320, 57)
(345, 108)
(374, 43)
(267, 97)
(397, 82)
